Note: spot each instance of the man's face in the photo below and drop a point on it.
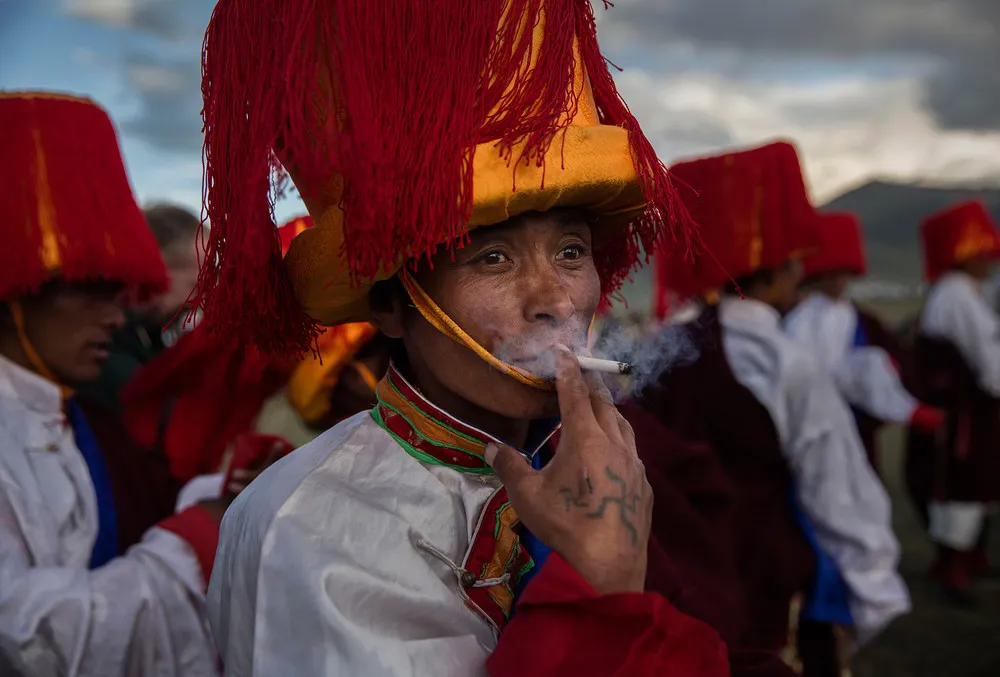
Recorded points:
(981, 267)
(71, 325)
(785, 288)
(182, 267)
(834, 285)
(518, 289)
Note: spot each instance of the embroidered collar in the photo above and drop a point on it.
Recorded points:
(426, 431)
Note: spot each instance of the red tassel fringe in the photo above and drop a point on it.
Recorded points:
(415, 90)
(62, 152)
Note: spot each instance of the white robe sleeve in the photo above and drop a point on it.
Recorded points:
(957, 311)
(141, 614)
(841, 495)
(868, 380)
(865, 376)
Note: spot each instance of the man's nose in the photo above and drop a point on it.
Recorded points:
(546, 297)
(113, 316)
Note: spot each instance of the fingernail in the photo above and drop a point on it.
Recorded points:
(490, 453)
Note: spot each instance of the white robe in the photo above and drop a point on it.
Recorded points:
(958, 311)
(865, 376)
(140, 614)
(348, 557)
(834, 483)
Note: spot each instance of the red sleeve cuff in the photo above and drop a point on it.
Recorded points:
(927, 419)
(200, 531)
(563, 626)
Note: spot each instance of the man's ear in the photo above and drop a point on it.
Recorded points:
(386, 304)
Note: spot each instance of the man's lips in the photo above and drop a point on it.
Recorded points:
(99, 351)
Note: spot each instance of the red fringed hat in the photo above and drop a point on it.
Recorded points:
(753, 212)
(196, 397)
(204, 391)
(404, 124)
(841, 248)
(68, 208)
(956, 235)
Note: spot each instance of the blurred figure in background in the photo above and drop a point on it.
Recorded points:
(98, 576)
(332, 384)
(955, 478)
(811, 518)
(861, 354)
(193, 401)
(160, 322)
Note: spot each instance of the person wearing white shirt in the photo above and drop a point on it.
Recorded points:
(852, 345)
(955, 477)
(814, 522)
(97, 576)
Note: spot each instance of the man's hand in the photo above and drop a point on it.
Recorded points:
(591, 503)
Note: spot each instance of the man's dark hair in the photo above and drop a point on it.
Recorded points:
(745, 283)
(171, 225)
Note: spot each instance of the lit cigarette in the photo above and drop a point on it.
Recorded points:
(603, 366)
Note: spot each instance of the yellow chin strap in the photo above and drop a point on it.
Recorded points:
(17, 315)
(366, 374)
(444, 324)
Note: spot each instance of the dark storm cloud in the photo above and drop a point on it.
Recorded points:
(169, 94)
(955, 43)
(165, 76)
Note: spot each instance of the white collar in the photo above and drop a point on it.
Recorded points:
(750, 311)
(38, 394)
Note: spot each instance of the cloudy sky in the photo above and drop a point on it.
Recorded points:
(902, 89)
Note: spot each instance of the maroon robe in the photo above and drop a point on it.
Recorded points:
(144, 490)
(880, 337)
(704, 401)
(692, 559)
(961, 462)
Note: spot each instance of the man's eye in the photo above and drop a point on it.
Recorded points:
(571, 253)
(493, 258)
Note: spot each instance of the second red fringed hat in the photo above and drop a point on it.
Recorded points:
(196, 397)
(841, 246)
(68, 208)
(956, 235)
(314, 380)
(753, 213)
(402, 133)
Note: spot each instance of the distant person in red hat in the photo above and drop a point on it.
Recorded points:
(97, 576)
(860, 353)
(954, 477)
(812, 522)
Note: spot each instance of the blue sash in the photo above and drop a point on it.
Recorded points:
(539, 551)
(106, 544)
(828, 600)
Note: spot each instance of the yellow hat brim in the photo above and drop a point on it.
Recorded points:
(588, 167)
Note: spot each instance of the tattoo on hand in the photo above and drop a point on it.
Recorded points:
(628, 502)
(578, 499)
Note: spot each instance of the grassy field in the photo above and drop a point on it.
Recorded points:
(936, 639)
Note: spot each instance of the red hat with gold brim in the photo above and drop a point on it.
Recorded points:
(68, 208)
(753, 213)
(316, 375)
(956, 235)
(841, 248)
(402, 132)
